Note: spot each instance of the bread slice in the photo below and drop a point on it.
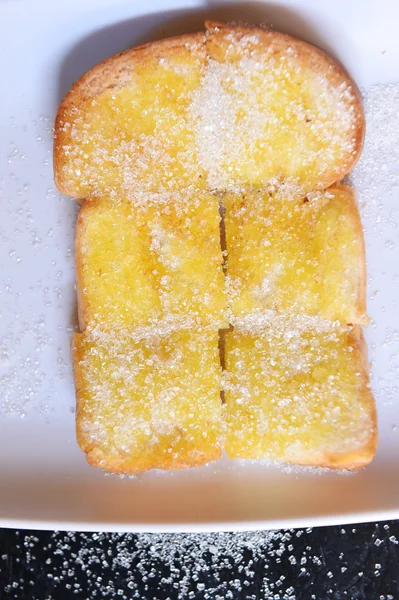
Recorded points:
(274, 112)
(305, 257)
(145, 403)
(243, 107)
(124, 125)
(234, 110)
(154, 265)
(297, 390)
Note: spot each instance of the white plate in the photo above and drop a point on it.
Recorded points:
(44, 480)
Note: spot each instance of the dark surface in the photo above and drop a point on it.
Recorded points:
(357, 562)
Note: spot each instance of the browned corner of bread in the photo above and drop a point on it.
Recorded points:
(352, 461)
(359, 457)
(96, 458)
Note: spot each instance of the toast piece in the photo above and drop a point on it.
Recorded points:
(124, 125)
(275, 112)
(297, 390)
(246, 107)
(147, 403)
(158, 264)
(307, 258)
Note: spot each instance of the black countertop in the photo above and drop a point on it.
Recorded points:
(357, 562)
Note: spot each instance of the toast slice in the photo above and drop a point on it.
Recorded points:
(297, 390)
(161, 264)
(241, 107)
(145, 403)
(124, 125)
(274, 112)
(306, 258)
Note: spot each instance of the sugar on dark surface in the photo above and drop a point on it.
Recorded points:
(357, 562)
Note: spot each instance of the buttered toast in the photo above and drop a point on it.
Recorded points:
(297, 390)
(158, 264)
(233, 107)
(147, 401)
(157, 142)
(274, 112)
(303, 257)
(124, 126)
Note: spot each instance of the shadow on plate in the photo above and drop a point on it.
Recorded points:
(246, 497)
(116, 37)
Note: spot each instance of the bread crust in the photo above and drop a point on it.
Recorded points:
(80, 233)
(309, 55)
(362, 317)
(97, 458)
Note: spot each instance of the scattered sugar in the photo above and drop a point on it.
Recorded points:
(159, 328)
(376, 178)
(277, 565)
(376, 175)
(290, 468)
(35, 306)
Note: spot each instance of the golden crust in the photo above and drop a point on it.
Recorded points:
(79, 237)
(360, 302)
(97, 458)
(217, 42)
